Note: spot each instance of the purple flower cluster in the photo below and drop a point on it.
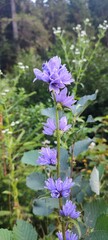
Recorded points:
(50, 126)
(48, 156)
(54, 73)
(58, 188)
(69, 210)
(69, 235)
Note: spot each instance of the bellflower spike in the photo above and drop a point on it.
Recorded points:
(65, 100)
(48, 156)
(69, 210)
(58, 188)
(69, 235)
(50, 126)
(54, 73)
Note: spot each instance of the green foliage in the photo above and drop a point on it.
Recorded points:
(5, 234)
(24, 230)
(21, 230)
(45, 206)
(82, 52)
(19, 132)
(36, 181)
(81, 146)
(30, 157)
(93, 210)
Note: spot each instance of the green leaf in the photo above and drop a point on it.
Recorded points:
(98, 235)
(45, 206)
(4, 213)
(101, 169)
(5, 234)
(51, 113)
(36, 181)
(24, 231)
(63, 159)
(77, 227)
(93, 210)
(81, 146)
(30, 157)
(83, 103)
(102, 223)
(94, 181)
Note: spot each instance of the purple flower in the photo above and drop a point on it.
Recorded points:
(50, 126)
(65, 100)
(48, 156)
(63, 124)
(69, 235)
(58, 188)
(69, 210)
(55, 74)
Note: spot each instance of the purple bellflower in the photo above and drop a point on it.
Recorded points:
(54, 73)
(65, 100)
(69, 210)
(58, 188)
(69, 235)
(50, 126)
(48, 156)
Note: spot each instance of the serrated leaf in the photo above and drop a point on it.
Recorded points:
(30, 157)
(45, 206)
(94, 181)
(93, 210)
(36, 181)
(24, 231)
(81, 146)
(5, 234)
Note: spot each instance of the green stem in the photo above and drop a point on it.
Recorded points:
(58, 161)
(58, 144)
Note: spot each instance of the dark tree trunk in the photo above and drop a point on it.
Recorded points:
(14, 22)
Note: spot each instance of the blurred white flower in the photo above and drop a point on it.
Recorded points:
(72, 47)
(17, 122)
(87, 20)
(6, 90)
(12, 124)
(20, 63)
(92, 145)
(83, 34)
(1, 72)
(57, 30)
(77, 51)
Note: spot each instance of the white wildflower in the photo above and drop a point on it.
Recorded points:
(72, 47)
